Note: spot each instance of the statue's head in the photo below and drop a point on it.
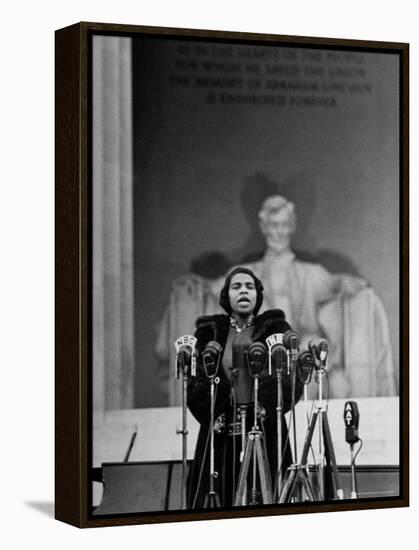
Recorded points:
(277, 222)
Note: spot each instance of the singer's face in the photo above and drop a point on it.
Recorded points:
(242, 294)
(278, 230)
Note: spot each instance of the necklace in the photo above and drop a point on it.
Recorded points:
(237, 328)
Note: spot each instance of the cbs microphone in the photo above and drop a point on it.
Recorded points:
(277, 353)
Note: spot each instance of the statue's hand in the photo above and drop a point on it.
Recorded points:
(349, 285)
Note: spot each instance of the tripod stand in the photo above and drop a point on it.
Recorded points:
(254, 450)
(297, 475)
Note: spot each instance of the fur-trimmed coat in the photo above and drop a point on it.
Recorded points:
(216, 327)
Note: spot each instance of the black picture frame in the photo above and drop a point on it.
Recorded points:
(73, 247)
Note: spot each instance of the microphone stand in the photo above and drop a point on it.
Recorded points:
(276, 347)
(184, 433)
(243, 415)
(279, 428)
(325, 439)
(182, 368)
(255, 427)
(292, 370)
(211, 357)
(306, 406)
(242, 406)
(291, 344)
(255, 450)
(212, 500)
(279, 368)
(322, 410)
(298, 473)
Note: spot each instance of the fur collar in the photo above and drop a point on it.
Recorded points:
(216, 327)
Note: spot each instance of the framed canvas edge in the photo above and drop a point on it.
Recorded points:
(115, 28)
(71, 265)
(72, 269)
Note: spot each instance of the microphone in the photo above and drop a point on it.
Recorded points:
(351, 418)
(319, 348)
(211, 358)
(291, 340)
(279, 358)
(256, 358)
(291, 343)
(277, 352)
(185, 355)
(305, 366)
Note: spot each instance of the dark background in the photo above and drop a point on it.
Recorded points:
(326, 138)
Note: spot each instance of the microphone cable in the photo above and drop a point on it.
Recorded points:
(357, 452)
(353, 464)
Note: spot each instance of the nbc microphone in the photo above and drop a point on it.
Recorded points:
(185, 355)
(185, 365)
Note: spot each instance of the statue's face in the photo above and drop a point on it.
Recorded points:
(278, 230)
(242, 294)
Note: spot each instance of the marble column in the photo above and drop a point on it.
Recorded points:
(113, 295)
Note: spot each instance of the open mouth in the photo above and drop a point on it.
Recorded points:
(243, 300)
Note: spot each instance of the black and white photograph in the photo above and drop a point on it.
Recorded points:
(209, 245)
(246, 276)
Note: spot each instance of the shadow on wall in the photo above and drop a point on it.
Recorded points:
(255, 190)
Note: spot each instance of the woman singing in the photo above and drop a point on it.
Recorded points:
(241, 297)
